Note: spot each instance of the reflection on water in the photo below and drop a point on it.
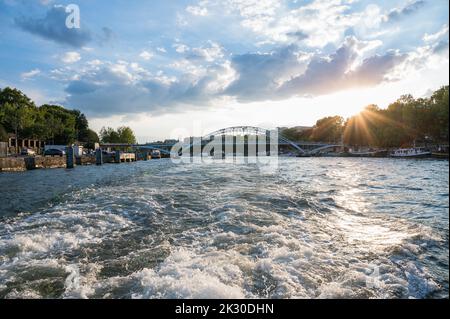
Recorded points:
(315, 228)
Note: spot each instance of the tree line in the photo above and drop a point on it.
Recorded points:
(53, 124)
(402, 123)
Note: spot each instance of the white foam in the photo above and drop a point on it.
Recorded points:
(186, 275)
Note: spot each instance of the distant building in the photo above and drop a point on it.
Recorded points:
(34, 144)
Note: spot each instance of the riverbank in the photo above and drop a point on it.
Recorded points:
(24, 163)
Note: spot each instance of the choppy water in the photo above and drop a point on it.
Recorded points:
(315, 228)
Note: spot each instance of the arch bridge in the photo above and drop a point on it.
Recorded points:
(248, 135)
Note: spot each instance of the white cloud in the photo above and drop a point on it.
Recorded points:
(71, 57)
(315, 24)
(398, 13)
(209, 53)
(197, 11)
(435, 36)
(95, 62)
(30, 74)
(181, 48)
(146, 55)
(161, 49)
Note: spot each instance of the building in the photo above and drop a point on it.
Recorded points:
(34, 144)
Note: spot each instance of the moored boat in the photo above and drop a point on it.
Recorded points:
(414, 152)
(155, 154)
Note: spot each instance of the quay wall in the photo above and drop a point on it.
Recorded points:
(18, 164)
(12, 164)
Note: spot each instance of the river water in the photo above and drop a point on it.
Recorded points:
(313, 228)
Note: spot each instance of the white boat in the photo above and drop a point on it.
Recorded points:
(410, 152)
(155, 154)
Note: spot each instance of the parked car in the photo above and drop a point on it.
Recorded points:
(54, 152)
(27, 151)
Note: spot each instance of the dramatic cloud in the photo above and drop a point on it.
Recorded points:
(209, 52)
(53, 27)
(290, 72)
(119, 88)
(260, 75)
(337, 72)
(204, 78)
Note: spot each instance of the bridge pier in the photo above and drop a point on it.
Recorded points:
(245, 145)
(223, 146)
(70, 157)
(98, 156)
(212, 151)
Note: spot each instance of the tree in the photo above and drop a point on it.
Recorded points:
(81, 125)
(18, 117)
(328, 129)
(89, 138)
(109, 135)
(123, 135)
(17, 111)
(3, 134)
(297, 133)
(126, 135)
(61, 128)
(52, 123)
(439, 108)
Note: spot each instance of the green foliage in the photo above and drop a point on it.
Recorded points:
(403, 122)
(61, 124)
(109, 135)
(328, 129)
(400, 124)
(297, 134)
(51, 123)
(126, 135)
(89, 137)
(123, 134)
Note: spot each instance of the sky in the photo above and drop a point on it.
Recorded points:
(169, 69)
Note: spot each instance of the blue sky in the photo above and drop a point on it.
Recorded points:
(167, 67)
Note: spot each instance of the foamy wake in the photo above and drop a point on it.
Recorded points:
(244, 250)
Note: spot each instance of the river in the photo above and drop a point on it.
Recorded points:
(313, 228)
